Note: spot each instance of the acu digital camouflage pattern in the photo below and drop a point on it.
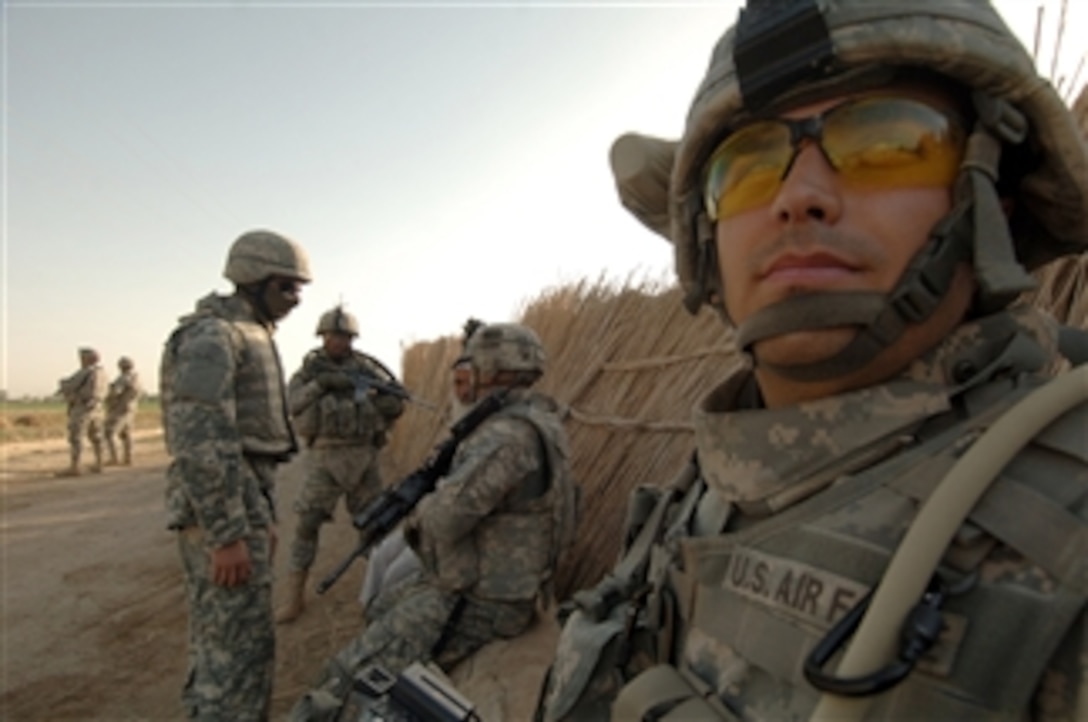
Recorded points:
(226, 428)
(223, 402)
(345, 429)
(487, 537)
(84, 391)
(121, 402)
(799, 510)
(231, 640)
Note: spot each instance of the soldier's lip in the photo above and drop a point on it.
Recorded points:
(814, 265)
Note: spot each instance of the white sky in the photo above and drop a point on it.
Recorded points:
(437, 160)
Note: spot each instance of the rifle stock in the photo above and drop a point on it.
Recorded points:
(386, 511)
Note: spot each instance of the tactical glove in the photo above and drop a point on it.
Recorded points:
(334, 381)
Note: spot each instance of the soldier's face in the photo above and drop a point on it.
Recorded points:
(337, 345)
(821, 233)
(462, 383)
(281, 295)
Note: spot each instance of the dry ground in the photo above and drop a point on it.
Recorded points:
(93, 613)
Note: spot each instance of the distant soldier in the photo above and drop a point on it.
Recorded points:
(84, 391)
(226, 424)
(488, 537)
(121, 401)
(342, 403)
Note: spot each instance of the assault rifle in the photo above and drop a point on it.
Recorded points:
(365, 382)
(383, 513)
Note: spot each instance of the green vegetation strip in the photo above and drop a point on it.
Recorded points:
(44, 420)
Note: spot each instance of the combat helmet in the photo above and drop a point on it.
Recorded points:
(124, 363)
(505, 347)
(778, 54)
(338, 321)
(256, 255)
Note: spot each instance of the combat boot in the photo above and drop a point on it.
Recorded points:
(295, 603)
(96, 468)
(126, 450)
(113, 453)
(73, 467)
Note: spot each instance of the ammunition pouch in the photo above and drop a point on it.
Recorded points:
(595, 657)
(610, 633)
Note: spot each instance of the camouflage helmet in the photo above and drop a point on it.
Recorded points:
(86, 352)
(124, 363)
(256, 255)
(963, 40)
(787, 54)
(338, 321)
(505, 347)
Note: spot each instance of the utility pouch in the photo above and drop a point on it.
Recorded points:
(664, 694)
(589, 667)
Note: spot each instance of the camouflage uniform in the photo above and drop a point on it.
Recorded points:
(121, 400)
(794, 514)
(226, 425)
(487, 538)
(345, 430)
(85, 390)
(744, 579)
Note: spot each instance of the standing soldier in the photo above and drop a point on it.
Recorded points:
(887, 513)
(84, 391)
(488, 537)
(121, 411)
(226, 425)
(343, 403)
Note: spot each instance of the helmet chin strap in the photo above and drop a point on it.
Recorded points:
(975, 230)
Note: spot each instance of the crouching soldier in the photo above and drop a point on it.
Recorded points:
(488, 538)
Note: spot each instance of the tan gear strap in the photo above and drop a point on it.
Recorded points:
(1000, 276)
(930, 534)
(670, 695)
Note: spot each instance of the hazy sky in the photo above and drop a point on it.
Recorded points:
(437, 160)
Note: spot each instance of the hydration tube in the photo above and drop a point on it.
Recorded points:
(918, 555)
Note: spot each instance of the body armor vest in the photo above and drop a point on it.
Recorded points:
(791, 516)
(746, 608)
(342, 416)
(260, 408)
(537, 517)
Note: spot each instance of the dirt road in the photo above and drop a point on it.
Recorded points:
(92, 607)
(93, 613)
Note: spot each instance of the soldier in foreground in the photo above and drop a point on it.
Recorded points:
(227, 429)
(488, 536)
(84, 391)
(345, 420)
(859, 192)
(121, 400)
